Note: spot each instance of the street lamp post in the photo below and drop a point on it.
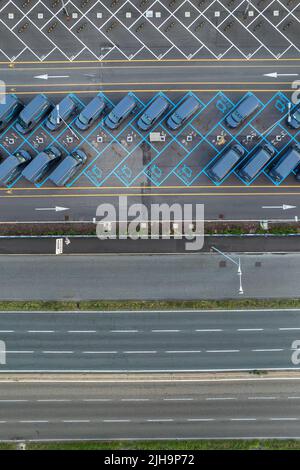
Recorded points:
(237, 263)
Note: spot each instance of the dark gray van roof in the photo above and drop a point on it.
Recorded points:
(219, 170)
(94, 107)
(287, 163)
(189, 106)
(261, 157)
(36, 104)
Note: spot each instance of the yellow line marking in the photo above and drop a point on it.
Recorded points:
(153, 90)
(97, 61)
(93, 188)
(32, 196)
(142, 83)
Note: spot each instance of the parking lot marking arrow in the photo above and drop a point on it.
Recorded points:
(56, 209)
(284, 207)
(276, 75)
(46, 76)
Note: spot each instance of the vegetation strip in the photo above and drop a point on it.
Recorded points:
(222, 444)
(135, 305)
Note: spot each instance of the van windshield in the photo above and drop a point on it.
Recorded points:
(23, 123)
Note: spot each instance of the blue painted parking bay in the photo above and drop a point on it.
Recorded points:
(129, 157)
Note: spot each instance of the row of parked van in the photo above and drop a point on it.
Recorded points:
(40, 107)
(288, 163)
(34, 169)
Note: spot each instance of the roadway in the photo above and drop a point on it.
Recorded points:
(145, 341)
(241, 203)
(158, 409)
(143, 277)
(175, 76)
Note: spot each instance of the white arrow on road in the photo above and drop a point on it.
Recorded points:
(276, 75)
(56, 209)
(284, 207)
(46, 76)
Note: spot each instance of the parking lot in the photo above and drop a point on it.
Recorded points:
(128, 157)
(146, 29)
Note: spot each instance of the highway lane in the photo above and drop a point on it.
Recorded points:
(159, 341)
(150, 409)
(143, 277)
(87, 78)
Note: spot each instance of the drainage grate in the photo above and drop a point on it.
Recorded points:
(222, 264)
(258, 264)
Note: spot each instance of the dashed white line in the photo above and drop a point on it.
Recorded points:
(222, 350)
(82, 331)
(220, 398)
(139, 352)
(262, 398)
(178, 399)
(58, 352)
(242, 419)
(165, 331)
(201, 419)
(209, 330)
(99, 352)
(124, 331)
(116, 420)
(183, 352)
(76, 421)
(267, 350)
(40, 331)
(250, 329)
(161, 420)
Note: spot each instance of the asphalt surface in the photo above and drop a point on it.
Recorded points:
(144, 277)
(155, 410)
(92, 245)
(172, 341)
(142, 77)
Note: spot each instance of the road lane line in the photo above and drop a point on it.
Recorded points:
(82, 331)
(288, 329)
(183, 352)
(262, 398)
(99, 352)
(139, 352)
(58, 352)
(161, 420)
(76, 421)
(222, 350)
(209, 330)
(243, 419)
(55, 400)
(116, 420)
(201, 419)
(40, 331)
(178, 399)
(7, 331)
(32, 421)
(123, 331)
(250, 329)
(267, 350)
(284, 419)
(135, 399)
(96, 399)
(220, 398)
(165, 331)
(19, 352)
